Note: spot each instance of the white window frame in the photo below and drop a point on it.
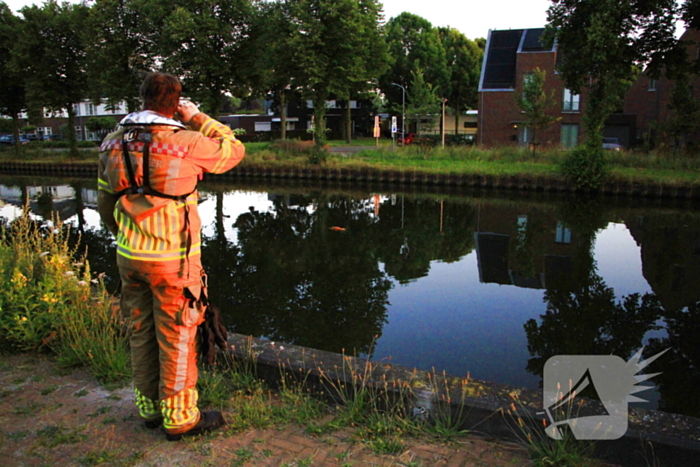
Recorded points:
(571, 101)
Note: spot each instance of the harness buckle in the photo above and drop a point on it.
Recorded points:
(131, 135)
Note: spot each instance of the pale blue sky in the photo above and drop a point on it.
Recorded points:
(472, 18)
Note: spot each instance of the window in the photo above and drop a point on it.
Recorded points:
(571, 101)
(263, 126)
(524, 135)
(652, 84)
(569, 135)
(563, 233)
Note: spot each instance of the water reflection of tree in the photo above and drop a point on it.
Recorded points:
(297, 281)
(680, 379)
(412, 232)
(583, 316)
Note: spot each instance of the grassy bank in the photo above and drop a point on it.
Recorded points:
(666, 167)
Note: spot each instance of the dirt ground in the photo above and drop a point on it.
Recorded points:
(54, 417)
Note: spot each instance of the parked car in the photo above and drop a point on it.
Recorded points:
(461, 140)
(9, 140)
(406, 141)
(612, 144)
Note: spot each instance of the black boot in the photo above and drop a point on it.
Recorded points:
(207, 422)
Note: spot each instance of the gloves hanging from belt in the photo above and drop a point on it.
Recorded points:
(212, 333)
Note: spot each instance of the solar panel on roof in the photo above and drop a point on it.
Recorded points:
(499, 72)
(532, 42)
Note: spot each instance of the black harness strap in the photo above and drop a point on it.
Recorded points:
(145, 189)
(133, 134)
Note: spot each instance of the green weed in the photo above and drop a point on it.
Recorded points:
(543, 450)
(98, 457)
(56, 435)
(50, 301)
(48, 389)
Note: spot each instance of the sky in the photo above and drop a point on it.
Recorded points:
(471, 17)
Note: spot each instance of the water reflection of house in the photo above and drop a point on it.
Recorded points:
(522, 246)
(44, 200)
(670, 249)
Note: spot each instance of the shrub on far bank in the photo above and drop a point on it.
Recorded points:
(585, 167)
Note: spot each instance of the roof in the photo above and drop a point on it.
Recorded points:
(502, 50)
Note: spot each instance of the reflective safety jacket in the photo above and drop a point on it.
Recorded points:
(154, 215)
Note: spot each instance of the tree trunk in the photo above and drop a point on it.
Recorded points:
(72, 139)
(283, 115)
(319, 119)
(347, 121)
(15, 132)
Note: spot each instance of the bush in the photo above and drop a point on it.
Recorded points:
(48, 301)
(585, 167)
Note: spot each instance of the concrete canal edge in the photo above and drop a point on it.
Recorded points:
(652, 438)
(551, 184)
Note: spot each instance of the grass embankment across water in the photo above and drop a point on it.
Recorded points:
(665, 167)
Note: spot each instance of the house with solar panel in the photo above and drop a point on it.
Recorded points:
(509, 57)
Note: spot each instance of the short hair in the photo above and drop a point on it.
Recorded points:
(161, 93)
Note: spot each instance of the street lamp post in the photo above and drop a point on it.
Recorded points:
(442, 130)
(403, 110)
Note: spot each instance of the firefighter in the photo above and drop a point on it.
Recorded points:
(148, 172)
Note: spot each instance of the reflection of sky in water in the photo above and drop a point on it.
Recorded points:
(448, 319)
(470, 326)
(461, 324)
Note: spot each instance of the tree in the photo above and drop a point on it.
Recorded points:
(603, 43)
(414, 44)
(423, 101)
(201, 42)
(119, 52)
(51, 51)
(334, 46)
(12, 91)
(464, 59)
(535, 102)
(278, 72)
(686, 116)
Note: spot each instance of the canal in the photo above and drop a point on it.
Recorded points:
(481, 283)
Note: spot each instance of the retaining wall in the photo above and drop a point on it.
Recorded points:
(389, 177)
(653, 437)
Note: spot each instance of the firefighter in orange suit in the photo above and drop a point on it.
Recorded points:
(153, 214)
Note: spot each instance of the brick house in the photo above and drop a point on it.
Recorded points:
(649, 99)
(510, 55)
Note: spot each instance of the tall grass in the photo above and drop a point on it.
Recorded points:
(50, 302)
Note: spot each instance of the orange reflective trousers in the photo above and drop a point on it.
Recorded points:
(165, 312)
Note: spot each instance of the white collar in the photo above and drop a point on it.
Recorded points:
(149, 117)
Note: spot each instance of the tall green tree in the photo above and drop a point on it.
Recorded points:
(52, 53)
(278, 73)
(414, 44)
(536, 103)
(12, 91)
(201, 42)
(335, 47)
(119, 51)
(604, 43)
(464, 59)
